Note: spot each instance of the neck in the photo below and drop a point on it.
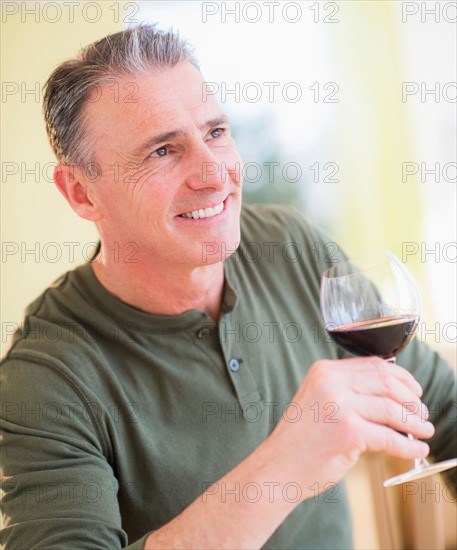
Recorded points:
(164, 290)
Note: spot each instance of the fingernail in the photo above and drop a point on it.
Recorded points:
(423, 448)
(429, 428)
(418, 389)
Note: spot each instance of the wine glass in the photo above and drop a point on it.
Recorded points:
(372, 307)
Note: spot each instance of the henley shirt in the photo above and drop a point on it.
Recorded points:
(115, 419)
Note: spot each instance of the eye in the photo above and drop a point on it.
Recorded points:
(217, 132)
(160, 152)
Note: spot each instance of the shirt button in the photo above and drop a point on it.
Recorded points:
(203, 333)
(234, 364)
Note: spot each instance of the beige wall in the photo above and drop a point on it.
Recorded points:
(34, 214)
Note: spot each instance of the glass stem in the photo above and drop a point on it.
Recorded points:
(419, 463)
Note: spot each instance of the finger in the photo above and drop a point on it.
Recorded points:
(383, 410)
(385, 384)
(382, 438)
(406, 377)
(377, 369)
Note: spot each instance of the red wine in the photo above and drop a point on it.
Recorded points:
(383, 337)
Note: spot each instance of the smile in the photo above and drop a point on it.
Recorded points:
(204, 212)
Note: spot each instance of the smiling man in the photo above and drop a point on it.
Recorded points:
(156, 419)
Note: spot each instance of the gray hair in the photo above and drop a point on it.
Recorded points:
(130, 52)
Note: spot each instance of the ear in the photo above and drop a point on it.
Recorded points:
(73, 186)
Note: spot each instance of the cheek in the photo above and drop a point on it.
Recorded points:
(230, 157)
(235, 164)
(148, 198)
(114, 200)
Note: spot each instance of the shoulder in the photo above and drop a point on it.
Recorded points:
(289, 229)
(51, 321)
(278, 219)
(51, 365)
(56, 326)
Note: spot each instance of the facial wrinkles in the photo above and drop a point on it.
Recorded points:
(139, 181)
(140, 196)
(159, 116)
(180, 109)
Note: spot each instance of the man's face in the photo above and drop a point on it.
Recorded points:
(170, 180)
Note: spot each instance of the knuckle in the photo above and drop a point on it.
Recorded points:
(379, 364)
(388, 383)
(321, 371)
(320, 366)
(390, 442)
(392, 412)
(350, 431)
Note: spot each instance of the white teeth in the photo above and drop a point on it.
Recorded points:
(204, 213)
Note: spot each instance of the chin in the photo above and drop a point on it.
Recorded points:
(219, 250)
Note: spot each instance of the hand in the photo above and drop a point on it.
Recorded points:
(362, 404)
(364, 399)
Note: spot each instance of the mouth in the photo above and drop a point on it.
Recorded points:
(207, 212)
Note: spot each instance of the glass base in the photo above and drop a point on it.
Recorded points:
(421, 469)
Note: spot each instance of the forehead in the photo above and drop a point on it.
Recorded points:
(131, 106)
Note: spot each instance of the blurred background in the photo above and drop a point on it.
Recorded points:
(345, 110)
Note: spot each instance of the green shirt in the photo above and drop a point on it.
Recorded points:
(115, 420)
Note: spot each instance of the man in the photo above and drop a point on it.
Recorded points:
(155, 420)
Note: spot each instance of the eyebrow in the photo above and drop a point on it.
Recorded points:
(152, 141)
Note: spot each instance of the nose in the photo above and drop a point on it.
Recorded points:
(206, 170)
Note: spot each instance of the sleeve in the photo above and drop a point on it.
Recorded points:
(59, 489)
(440, 396)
